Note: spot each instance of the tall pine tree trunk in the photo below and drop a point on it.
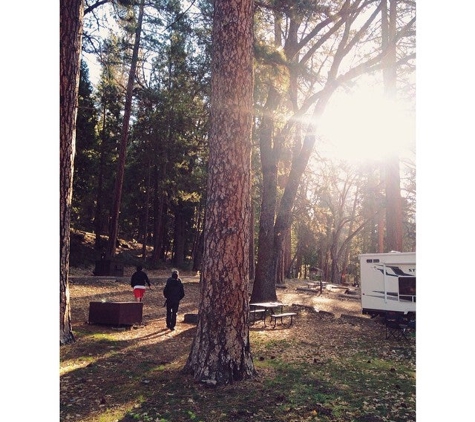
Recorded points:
(220, 352)
(119, 181)
(71, 14)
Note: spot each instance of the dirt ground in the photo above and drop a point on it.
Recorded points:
(296, 294)
(325, 324)
(331, 307)
(317, 314)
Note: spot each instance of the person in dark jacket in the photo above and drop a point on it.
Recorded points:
(173, 292)
(138, 281)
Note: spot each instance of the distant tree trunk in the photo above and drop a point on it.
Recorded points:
(71, 15)
(280, 269)
(288, 254)
(394, 205)
(179, 238)
(220, 353)
(333, 256)
(298, 264)
(159, 207)
(98, 218)
(345, 249)
(392, 176)
(198, 254)
(119, 180)
(146, 216)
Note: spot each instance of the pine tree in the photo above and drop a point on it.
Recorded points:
(220, 352)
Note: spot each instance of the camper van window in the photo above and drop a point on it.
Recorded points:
(407, 289)
(369, 260)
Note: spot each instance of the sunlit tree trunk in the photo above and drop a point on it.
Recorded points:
(264, 288)
(220, 353)
(71, 15)
(275, 222)
(392, 174)
(269, 269)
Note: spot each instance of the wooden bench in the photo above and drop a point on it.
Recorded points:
(257, 315)
(275, 317)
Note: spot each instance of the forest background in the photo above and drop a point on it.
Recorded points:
(37, 264)
(157, 183)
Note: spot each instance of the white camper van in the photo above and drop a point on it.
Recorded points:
(388, 283)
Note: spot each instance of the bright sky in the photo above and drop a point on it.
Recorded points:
(94, 68)
(365, 125)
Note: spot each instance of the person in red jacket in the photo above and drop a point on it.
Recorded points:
(173, 292)
(138, 281)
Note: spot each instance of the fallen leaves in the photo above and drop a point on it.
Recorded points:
(134, 374)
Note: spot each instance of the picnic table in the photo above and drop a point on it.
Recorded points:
(275, 310)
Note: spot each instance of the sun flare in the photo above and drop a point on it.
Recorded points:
(365, 126)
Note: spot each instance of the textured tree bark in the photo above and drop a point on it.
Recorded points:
(220, 353)
(71, 15)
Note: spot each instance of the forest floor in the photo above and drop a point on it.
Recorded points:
(332, 364)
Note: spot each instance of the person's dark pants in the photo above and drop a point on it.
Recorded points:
(172, 309)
